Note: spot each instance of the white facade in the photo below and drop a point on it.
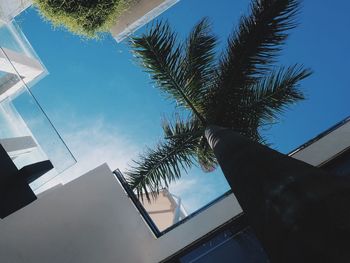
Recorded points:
(14, 64)
(142, 12)
(11, 8)
(16, 146)
(165, 210)
(326, 146)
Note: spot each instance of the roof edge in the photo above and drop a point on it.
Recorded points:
(320, 136)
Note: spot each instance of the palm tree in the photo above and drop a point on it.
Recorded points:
(242, 89)
(299, 213)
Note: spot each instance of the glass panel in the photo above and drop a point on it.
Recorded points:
(166, 211)
(242, 247)
(13, 39)
(26, 132)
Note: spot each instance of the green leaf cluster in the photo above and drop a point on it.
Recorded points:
(83, 17)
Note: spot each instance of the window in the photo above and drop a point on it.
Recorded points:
(166, 212)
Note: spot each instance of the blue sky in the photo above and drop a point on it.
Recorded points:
(106, 108)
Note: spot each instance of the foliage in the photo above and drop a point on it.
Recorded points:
(83, 17)
(242, 90)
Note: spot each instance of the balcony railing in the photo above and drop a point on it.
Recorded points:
(26, 132)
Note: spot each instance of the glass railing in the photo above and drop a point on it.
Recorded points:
(26, 132)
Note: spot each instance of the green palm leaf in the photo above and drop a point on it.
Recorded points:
(199, 61)
(161, 56)
(252, 49)
(257, 41)
(274, 93)
(205, 156)
(158, 167)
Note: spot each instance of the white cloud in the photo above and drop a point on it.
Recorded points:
(93, 143)
(197, 189)
(183, 185)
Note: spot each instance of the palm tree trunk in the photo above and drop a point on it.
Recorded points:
(298, 212)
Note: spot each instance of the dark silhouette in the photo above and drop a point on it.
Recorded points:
(299, 213)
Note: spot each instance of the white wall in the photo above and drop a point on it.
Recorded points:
(139, 14)
(326, 147)
(11, 8)
(92, 220)
(29, 68)
(18, 145)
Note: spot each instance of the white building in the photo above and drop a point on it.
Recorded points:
(20, 69)
(166, 210)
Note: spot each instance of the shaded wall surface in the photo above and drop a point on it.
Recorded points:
(92, 220)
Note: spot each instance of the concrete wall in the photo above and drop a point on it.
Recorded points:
(92, 220)
(139, 14)
(18, 145)
(327, 147)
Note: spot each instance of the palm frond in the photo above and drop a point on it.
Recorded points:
(179, 130)
(205, 156)
(264, 101)
(158, 167)
(274, 93)
(199, 61)
(180, 126)
(251, 51)
(253, 47)
(162, 58)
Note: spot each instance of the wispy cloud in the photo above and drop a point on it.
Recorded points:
(93, 143)
(197, 189)
(183, 185)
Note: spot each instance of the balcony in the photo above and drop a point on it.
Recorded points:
(26, 132)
